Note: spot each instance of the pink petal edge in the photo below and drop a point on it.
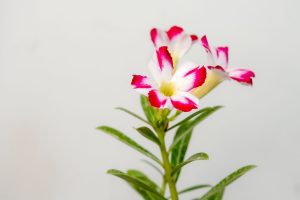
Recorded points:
(156, 99)
(205, 44)
(185, 106)
(199, 76)
(139, 81)
(164, 57)
(243, 76)
(174, 31)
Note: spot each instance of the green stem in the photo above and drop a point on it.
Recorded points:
(167, 167)
(163, 186)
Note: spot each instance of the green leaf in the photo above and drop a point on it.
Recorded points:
(217, 196)
(135, 181)
(179, 150)
(197, 156)
(132, 114)
(154, 167)
(203, 115)
(125, 139)
(147, 133)
(146, 195)
(225, 182)
(196, 187)
(148, 110)
(188, 118)
(142, 177)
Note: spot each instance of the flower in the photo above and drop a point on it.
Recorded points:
(177, 41)
(219, 70)
(170, 89)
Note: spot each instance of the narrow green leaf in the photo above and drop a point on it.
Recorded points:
(135, 181)
(142, 177)
(132, 114)
(226, 181)
(217, 196)
(147, 133)
(196, 187)
(125, 139)
(148, 110)
(194, 123)
(146, 195)
(197, 156)
(188, 118)
(179, 150)
(153, 166)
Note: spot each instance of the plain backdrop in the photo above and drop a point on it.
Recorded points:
(65, 65)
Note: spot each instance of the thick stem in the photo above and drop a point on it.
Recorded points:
(167, 167)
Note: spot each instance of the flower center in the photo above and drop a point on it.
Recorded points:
(167, 88)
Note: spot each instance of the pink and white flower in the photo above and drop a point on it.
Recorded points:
(218, 60)
(177, 41)
(219, 70)
(170, 88)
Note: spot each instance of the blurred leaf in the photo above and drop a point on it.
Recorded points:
(189, 117)
(203, 115)
(219, 188)
(153, 166)
(148, 110)
(197, 156)
(142, 177)
(146, 195)
(125, 139)
(196, 187)
(136, 182)
(132, 114)
(147, 133)
(179, 150)
(217, 196)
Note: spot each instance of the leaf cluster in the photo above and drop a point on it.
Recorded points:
(158, 121)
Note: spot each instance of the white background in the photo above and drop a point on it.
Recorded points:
(65, 65)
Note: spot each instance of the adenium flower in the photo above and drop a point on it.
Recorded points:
(219, 70)
(170, 88)
(177, 41)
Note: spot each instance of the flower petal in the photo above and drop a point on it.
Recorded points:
(180, 44)
(194, 38)
(174, 31)
(188, 77)
(159, 74)
(159, 37)
(161, 66)
(155, 70)
(184, 101)
(211, 53)
(222, 55)
(141, 83)
(218, 67)
(205, 44)
(157, 99)
(164, 58)
(243, 76)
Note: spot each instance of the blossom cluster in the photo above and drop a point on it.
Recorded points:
(180, 85)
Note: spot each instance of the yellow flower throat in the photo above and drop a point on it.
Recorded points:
(167, 88)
